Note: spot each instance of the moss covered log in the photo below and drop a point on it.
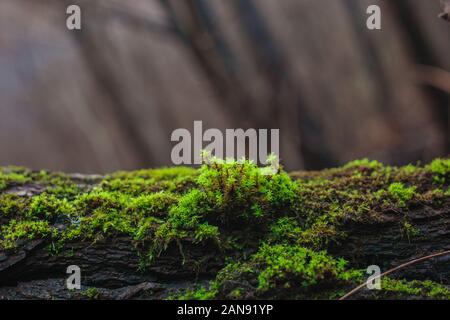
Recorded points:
(226, 230)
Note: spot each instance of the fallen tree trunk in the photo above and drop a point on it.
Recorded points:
(386, 234)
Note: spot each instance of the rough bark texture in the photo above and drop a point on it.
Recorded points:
(111, 265)
(371, 243)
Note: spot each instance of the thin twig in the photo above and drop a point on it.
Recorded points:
(435, 255)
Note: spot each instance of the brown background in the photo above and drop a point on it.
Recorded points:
(109, 96)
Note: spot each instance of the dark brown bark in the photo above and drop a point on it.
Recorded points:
(110, 265)
(386, 245)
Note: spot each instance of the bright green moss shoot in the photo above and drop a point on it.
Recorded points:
(401, 193)
(440, 168)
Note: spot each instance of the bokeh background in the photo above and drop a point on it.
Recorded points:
(109, 96)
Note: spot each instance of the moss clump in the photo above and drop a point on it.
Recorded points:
(364, 163)
(22, 230)
(440, 168)
(280, 271)
(285, 229)
(401, 193)
(12, 204)
(240, 191)
(91, 215)
(107, 213)
(91, 294)
(148, 181)
(297, 265)
(48, 206)
(227, 193)
(12, 176)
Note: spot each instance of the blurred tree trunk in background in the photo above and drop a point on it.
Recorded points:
(108, 97)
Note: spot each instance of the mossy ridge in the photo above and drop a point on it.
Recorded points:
(404, 289)
(176, 179)
(222, 199)
(56, 183)
(91, 213)
(11, 176)
(417, 288)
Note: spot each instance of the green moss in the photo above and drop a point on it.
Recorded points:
(226, 193)
(410, 230)
(110, 213)
(285, 229)
(160, 174)
(440, 168)
(48, 206)
(92, 215)
(12, 176)
(364, 163)
(288, 265)
(200, 293)
(12, 205)
(409, 169)
(15, 230)
(63, 189)
(241, 188)
(416, 288)
(91, 293)
(401, 193)
(279, 271)
(148, 181)
(153, 204)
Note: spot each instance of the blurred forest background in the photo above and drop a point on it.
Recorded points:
(109, 96)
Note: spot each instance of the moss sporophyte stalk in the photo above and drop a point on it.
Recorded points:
(274, 234)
